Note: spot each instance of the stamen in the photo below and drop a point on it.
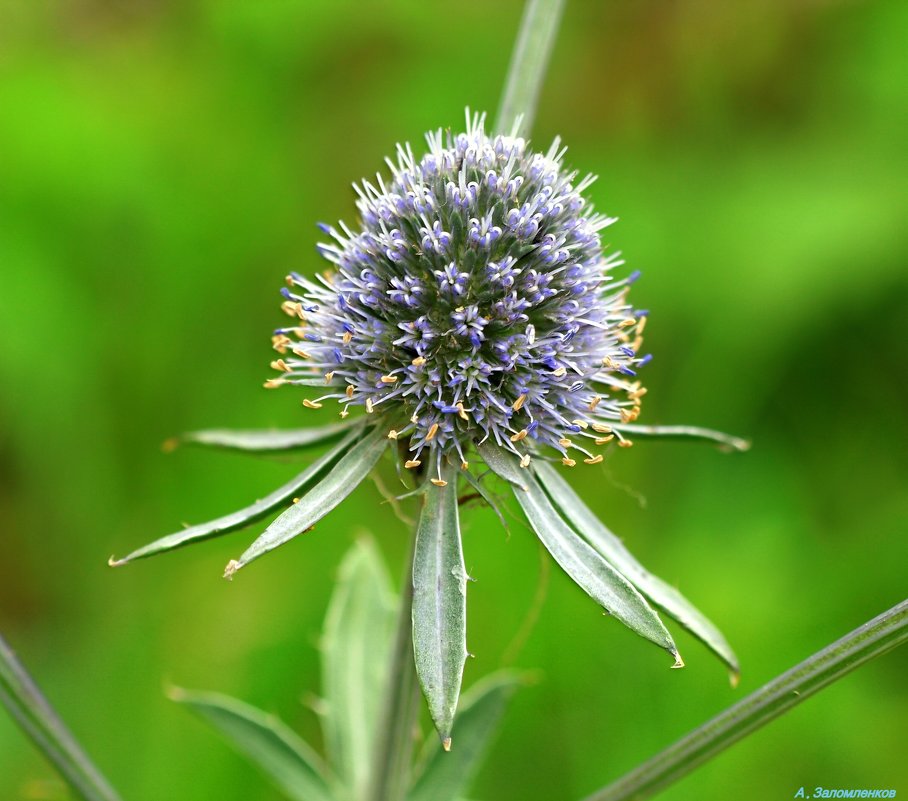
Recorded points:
(411, 463)
(273, 383)
(369, 406)
(568, 462)
(311, 404)
(439, 482)
(392, 434)
(433, 430)
(518, 404)
(280, 364)
(525, 460)
(389, 379)
(519, 435)
(594, 460)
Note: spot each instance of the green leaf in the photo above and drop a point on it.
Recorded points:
(503, 464)
(614, 551)
(357, 642)
(31, 710)
(589, 570)
(276, 749)
(244, 517)
(341, 480)
(265, 441)
(440, 603)
(725, 441)
(446, 775)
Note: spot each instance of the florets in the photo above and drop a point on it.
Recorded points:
(474, 301)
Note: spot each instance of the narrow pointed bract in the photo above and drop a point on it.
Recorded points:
(440, 603)
(267, 441)
(338, 483)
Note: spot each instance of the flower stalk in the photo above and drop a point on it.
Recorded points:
(873, 639)
(528, 64)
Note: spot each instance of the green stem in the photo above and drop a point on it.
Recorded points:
(30, 709)
(391, 771)
(528, 64)
(871, 640)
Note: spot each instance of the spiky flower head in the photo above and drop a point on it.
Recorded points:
(472, 302)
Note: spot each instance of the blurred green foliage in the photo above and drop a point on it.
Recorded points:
(162, 165)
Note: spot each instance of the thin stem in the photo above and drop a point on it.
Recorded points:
(871, 640)
(31, 710)
(528, 64)
(391, 771)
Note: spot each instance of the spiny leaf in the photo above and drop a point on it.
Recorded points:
(355, 650)
(616, 553)
(590, 571)
(340, 481)
(446, 775)
(726, 441)
(440, 603)
(277, 750)
(265, 441)
(31, 710)
(244, 517)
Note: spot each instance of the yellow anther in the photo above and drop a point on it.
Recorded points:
(433, 430)
(419, 361)
(525, 460)
(414, 419)
(582, 423)
(518, 404)
(637, 393)
(641, 324)
(464, 465)
(369, 407)
(349, 390)
(627, 323)
(347, 337)
(568, 462)
(601, 428)
(607, 362)
(296, 500)
(629, 415)
(625, 443)
(439, 482)
(329, 377)
(594, 403)
(273, 383)
(298, 350)
(344, 413)
(603, 440)
(311, 404)
(389, 379)
(392, 434)
(280, 343)
(519, 435)
(594, 460)
(559, 372)
(461, 412)
(280, 364)
(565, 442)
(411, 463)
(293, 309)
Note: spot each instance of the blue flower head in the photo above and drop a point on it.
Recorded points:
(473, 302)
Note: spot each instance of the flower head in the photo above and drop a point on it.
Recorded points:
(473, 302)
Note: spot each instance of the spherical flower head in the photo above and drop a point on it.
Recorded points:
(473, 302)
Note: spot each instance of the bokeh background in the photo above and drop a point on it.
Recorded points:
(162, 167)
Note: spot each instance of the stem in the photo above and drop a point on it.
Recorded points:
(873, 639)
(528, 64)
(31, 710)
(391, 771)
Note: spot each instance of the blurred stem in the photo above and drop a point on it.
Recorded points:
(391, 771)
(33, 713)
(871, 640)
(528, 64)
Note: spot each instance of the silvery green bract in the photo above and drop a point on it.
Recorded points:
(473, 319)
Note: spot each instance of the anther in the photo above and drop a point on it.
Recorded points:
(594, 403)
(433, 430)
(461, 412)
(525, 460)
(368, 405)
(594, 460)
(464, 465)
(564, 442)
(626, 323)
(392, 434)
(311, 404)
(625, 443)
(518, 404)
(389, 379)
(280, 343)
(347, 337)
(519, 435)
(601, 428)
(280, 364)
(273, 383)
(349, 390)
(439, 482)
(559, 372)
(419, 361)
(603, 440)
(568, 462)
(329, 377)
(411, 463)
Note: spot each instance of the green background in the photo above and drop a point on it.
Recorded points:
(162, 166)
